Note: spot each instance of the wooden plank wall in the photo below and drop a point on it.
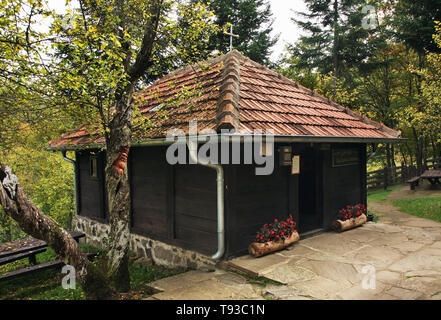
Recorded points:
(148, 180)
(91, 190)
(175, 204)
(195, 207)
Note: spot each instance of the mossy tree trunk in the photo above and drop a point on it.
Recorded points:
(118, 139)
(118, 192)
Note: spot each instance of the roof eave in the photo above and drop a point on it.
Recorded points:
(76, 147)
(204, 138)
(342, 139)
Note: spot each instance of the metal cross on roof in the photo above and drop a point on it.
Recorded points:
(231, 34)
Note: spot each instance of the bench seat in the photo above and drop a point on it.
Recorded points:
(39, 267)
(28, 248)
(28, 254)
(414, 182)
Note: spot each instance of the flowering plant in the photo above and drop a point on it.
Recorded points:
(276, 231)
(351, 212)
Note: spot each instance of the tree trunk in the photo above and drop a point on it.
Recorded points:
(118, 147)
(118, 192)
(403, 155)
(419, 151)
(420, 158)
(409, 150)
(31, 220)
(392, 152)
(335, 48)
(388, 157)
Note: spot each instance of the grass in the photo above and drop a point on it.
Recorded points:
(423, 207)
(46, 285)
(380, 195)
(426, 207)
(376, 217)
(261, 281)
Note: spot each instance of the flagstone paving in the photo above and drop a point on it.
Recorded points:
(403, 250)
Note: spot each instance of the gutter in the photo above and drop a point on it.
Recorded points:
(193, 148)
(77, 208)
(238, 137)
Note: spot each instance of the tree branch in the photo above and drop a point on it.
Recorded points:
(143, 58)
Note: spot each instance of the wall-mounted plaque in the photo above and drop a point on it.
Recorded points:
(345, 157)
(295, 165)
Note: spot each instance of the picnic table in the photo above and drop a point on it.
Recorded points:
(29, 248)
(433, 176)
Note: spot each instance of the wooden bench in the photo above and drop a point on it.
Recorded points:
(29, 248)
(29, 244)
(29, 254)
(414, 182)
(39, 267)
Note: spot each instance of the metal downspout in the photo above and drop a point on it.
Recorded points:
(75, 181)
(193, 148)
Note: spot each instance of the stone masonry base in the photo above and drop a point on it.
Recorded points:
(98, 234)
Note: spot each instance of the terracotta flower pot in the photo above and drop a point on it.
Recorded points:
(257, 249)
(340, 225)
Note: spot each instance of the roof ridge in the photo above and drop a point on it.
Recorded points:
(192, 67)
(229, 93)
(348, 111)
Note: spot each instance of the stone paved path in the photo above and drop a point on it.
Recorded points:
(403, 250)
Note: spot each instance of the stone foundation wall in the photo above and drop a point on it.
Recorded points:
(98, 235)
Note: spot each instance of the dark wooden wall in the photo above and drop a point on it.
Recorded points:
(175, 204)
(178, 204)
(92, 198)
(195, 207)
(252, 201)
(148, 183)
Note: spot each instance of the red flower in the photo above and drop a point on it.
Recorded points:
(280, 230)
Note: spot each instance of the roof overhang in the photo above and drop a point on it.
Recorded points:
(235, 138)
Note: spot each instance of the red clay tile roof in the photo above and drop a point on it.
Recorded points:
(234, 92)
